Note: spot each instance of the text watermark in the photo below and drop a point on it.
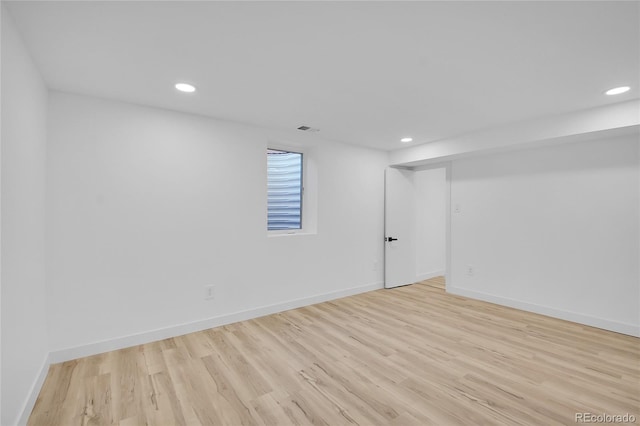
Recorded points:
(605, 418)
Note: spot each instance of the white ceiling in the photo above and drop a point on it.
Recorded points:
(367, 73)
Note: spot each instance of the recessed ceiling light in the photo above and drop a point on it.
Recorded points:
(184, 87)
(405, 140)
(618, 90)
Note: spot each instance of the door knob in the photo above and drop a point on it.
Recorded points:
(390, 239)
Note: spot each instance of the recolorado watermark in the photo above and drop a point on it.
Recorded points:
(605, 418)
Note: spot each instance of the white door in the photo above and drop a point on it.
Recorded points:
(399, 225)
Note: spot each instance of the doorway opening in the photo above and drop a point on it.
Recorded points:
(417, 224)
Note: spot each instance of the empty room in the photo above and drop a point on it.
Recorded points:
(316, 212)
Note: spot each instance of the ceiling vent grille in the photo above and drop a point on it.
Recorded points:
(308, 129)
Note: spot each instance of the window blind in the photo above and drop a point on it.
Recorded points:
(284, 190)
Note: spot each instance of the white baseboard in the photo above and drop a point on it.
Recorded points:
(27, 407)
(178, 330)
(618, 327)
(429, 275)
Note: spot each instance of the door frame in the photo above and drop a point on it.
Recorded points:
(447, 165)
(448, 211)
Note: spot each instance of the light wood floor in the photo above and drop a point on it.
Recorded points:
(414, 355)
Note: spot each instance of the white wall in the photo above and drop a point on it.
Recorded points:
(146, 206)
(431, 222)
(24, 338)
(552, 230)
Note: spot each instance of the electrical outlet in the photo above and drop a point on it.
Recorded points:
(471, 270)
(208, 292)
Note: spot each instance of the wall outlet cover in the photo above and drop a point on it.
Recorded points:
(209, 292)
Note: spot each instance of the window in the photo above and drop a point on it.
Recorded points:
(284, 190)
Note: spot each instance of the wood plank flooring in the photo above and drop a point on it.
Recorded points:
(413, 355)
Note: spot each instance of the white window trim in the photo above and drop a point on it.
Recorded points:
(309, 192)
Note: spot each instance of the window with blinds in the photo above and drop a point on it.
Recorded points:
(284, 190)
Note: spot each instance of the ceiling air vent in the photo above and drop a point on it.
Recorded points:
(308, 129)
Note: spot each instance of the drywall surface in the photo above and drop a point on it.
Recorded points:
(148, 206)
(552, 230)
(431, 221)
(24, 123)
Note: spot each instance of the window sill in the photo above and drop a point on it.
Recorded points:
(289, 234)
